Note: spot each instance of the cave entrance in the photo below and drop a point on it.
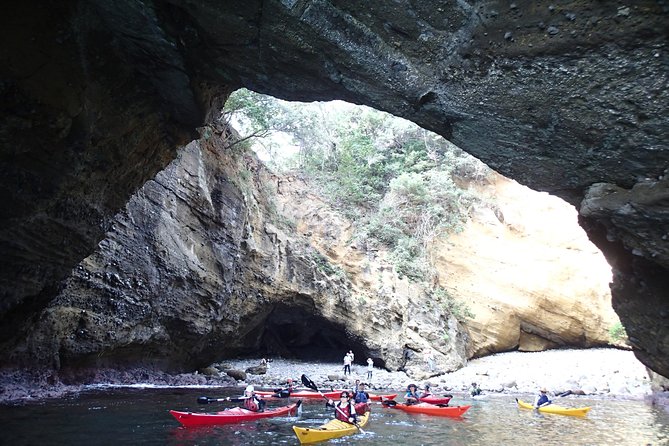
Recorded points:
(297, 333)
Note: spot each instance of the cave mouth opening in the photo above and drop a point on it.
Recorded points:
(295, 332)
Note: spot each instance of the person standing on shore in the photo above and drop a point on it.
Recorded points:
(348, 359)
(428, 356)
(370, 368)
(542, 399)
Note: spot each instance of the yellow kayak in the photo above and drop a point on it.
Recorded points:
(552, 408)
(331, 429)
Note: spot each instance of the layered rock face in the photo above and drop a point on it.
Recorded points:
(200, 266)
(566, 98)
(217, 257)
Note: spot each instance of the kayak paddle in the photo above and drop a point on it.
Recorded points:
(207, 400)
(312, 385)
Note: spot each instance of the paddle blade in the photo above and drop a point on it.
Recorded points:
(203, 400)
(389, 403)
(299, 408)
(309, 383)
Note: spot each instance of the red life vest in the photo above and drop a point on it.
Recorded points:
(252, 404)
(345, 408)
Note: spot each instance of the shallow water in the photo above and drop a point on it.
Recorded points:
(140, 416)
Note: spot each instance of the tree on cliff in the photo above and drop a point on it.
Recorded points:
(402, 184)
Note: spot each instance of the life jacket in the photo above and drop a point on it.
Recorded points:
(542, 400)
(412, 395)
(346, 409)
(361, 408)
(252, 404)
(361, 397)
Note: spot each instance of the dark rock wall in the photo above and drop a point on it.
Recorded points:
(560, 96)
(191, 271)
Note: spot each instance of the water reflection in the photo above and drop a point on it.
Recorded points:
(141, 417)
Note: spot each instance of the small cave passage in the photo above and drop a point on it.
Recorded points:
(297, 333)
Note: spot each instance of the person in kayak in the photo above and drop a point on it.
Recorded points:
(474, 390)
(344, 409)
(412, 396)
(427, 391)
(361, 395)
(285, 392)
(251, 401)
(542, 399)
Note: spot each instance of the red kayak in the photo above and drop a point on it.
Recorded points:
(430, 409)
(231, 416)
(376, 397)
(434, 399)
(302, 394)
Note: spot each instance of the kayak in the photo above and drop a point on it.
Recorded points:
(377, 397)
(331, 429)
(231, 416)
(302, 394)
(552, 408)
(431, 409)
(434, 399)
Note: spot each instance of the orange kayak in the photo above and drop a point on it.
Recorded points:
(434, 399)
(377, 397)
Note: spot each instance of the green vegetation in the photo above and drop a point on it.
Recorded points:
(403, 185)
(325, 267)
(617, 332)
(450, 305)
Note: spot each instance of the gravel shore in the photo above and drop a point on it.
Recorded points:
(605, 372)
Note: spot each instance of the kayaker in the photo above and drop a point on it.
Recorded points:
(542, 399)
(412, 396)
(285, 392)
(426, 392)
(354, 387)
(474, 390)
(361, 396)
(344, 408)
(251, 401)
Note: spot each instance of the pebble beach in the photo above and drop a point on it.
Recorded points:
(595, 372)
(598, 373)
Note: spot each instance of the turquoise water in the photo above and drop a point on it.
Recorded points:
(140, 416)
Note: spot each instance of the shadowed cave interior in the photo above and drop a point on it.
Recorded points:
(296, 333)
